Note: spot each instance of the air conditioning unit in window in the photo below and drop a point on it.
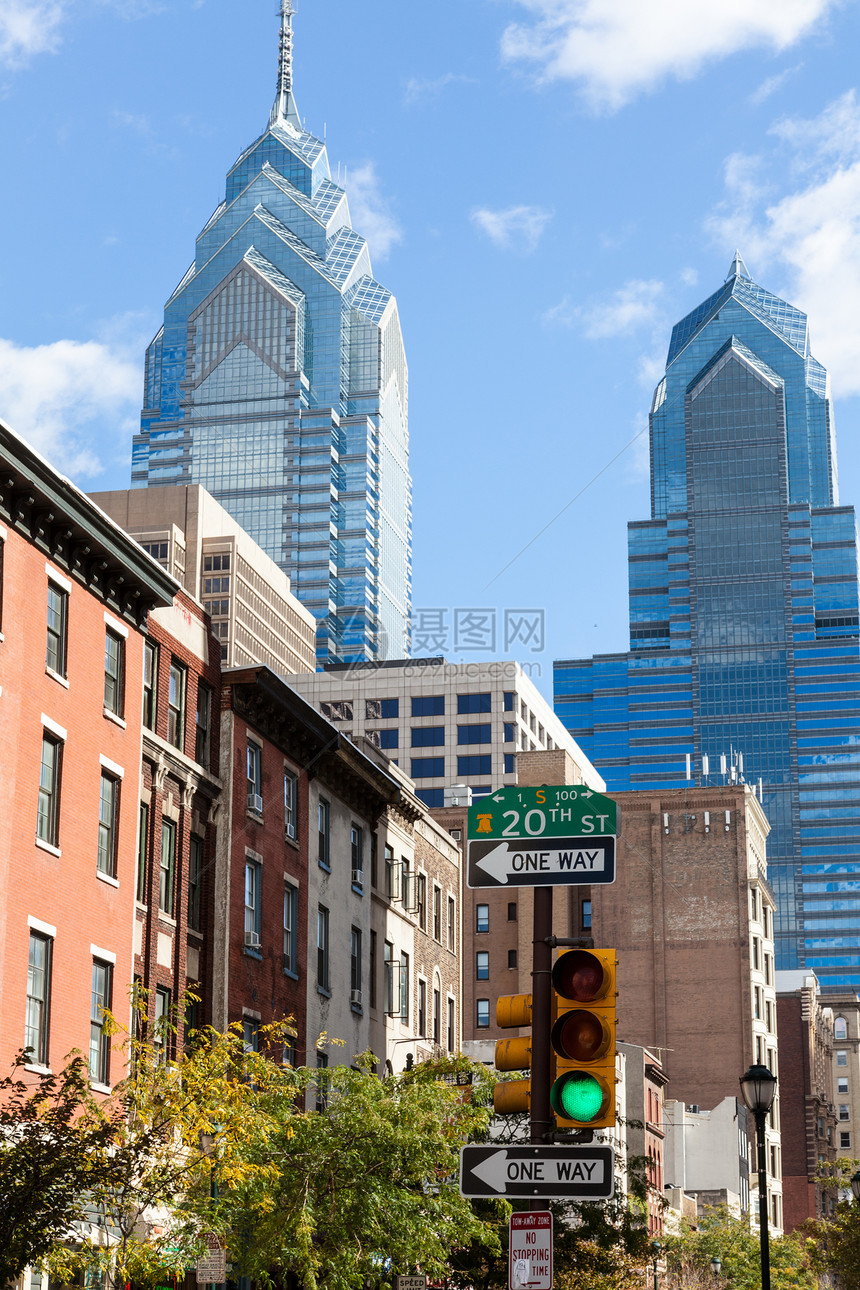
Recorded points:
(355, 997)
(252, 940)
(358, 877)
(290, 831)
(255, 803)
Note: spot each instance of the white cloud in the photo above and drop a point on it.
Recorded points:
(27, 28)
(515, 228)
(772, 84)
(631, 307)
(370, 211)
(689, 277)
(419, 89)
(74, 400)
(615, 49)
(804, 244)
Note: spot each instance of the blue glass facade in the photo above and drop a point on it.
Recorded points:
(744, 614)
(279, 382)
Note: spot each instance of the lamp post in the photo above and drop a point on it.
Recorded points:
(758, 1088)
(716, 1265)
(855, 1185)
(658, 1249)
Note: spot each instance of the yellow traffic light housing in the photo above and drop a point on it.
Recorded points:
(582, 1094)
(513, 1096)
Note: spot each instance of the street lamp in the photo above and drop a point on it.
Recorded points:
(716, 1265)
(855, 1185)
(758, 1088)
(658, 1249)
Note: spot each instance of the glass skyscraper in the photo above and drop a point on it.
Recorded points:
(744, 614)
(279, 382)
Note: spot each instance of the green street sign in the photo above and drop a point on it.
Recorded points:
(557, 835)
(556, 811)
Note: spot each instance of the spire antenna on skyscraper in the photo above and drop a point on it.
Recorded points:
(284, 107)
(738, 269)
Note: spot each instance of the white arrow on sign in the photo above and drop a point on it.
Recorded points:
(499, 1169)
(548, 856)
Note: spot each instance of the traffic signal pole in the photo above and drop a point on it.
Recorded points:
(540, 1111)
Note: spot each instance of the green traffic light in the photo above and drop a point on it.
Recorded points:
(580, 1097)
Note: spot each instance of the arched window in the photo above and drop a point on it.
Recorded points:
(840, 1028)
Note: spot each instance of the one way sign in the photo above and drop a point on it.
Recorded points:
(563, 1173)
(545, 862)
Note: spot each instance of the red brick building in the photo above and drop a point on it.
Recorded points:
(74, 595)
(179, 799)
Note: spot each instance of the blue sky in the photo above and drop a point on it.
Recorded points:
(546, 185)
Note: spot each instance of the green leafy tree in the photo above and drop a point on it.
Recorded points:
(689, 1253)
(53, 1149)
(835, 1242)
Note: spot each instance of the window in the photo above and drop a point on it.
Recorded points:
(755, 953)
(108, 812)
(757, 1002)
(392, 981)
(510, 763)
(841, 1057)
(339, 710)
(322, 1081)
(469, 766)
(482, 918)
(195, 879)
(510, 701)
(393, 875)
(356, 846)
(38, 999)
(167, 871)
(291, 925)
(452, 924)
(844, 1139)
(842, 1084)
(451, 1034)
(471, 703)
(767, 969)
(840, 1028)
(427, 768)
(482, 1019)
(58, 626)
(431, 797)
(429, 705)
(161, 1037)
(510, 732)
(142, 886)
(404, 987)
(114, 672)
(512, 911)
(475, 734)
(512, 958)
(372, 969)
(428, 736)
(323, 823)
(355, 965)
(251, 1034)
(437, 913)
(422, 1008)
(99, 1037)
(422, 901)
(176, 705)
(768, 1012)
(388, 739)
(204, 722)
(48, 817)
(482, 965)
(255, 778)
(323, 982)
(586, 915)
(437, 1016)
(844, 1111)
(253, 903)
(150, 684)
(381, 709)
(291, 790)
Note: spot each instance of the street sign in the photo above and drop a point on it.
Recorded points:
(212, 1268)
(559, 1173)
(558, 835)
(553, 862)
(411, 1283)
(530, 1251)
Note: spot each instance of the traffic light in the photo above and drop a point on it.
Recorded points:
(513, 1095)
(583, 1039)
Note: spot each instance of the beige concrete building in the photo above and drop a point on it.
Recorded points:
(254, 614)
(845, 1074)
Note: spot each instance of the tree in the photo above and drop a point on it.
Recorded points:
(54, 1140)
(689, 1253)
(363, 1188)
(835, 1242)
